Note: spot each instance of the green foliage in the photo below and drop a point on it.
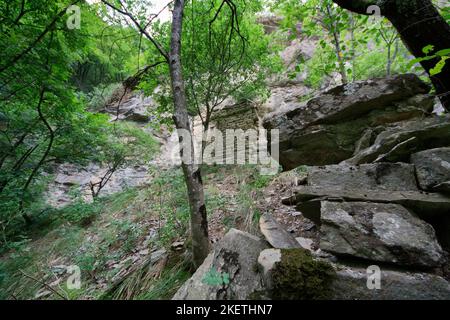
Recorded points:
(166, 286)
(81, 213)
(100, 95)
(47, 117)
(441, 55)
(355, 46)
(224, 55)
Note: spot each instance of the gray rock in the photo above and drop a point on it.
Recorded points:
(235, 257)
(305, 243)
(351, 284)
(378, 232)
(275, 234)
(267, 260)
(380, 176)
(433, 169)
(399, 141)
(426, 205)
(328, 128)
(132, 106)
(355, 283)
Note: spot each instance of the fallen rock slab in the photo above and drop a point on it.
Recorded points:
(228, 272)
(378, 232)
(275, 234)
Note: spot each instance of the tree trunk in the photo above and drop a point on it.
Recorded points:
(337, 48)
(419, 24)
(192, 174)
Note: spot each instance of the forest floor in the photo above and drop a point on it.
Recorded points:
(112, 239)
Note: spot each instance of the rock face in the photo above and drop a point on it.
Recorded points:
(399, 141)
(346, 120)
(378, 232)
(234, 258)
(433, 169)
(69, 176)
(378, 186)
(130, 107)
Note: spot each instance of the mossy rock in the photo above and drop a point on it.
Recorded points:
(298, 276)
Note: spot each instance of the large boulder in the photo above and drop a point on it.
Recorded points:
(378, 232)
(332, 126)
(228, 272)
(433, 169)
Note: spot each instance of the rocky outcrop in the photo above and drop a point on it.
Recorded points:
(130, 106)
(229, 272)
(433, 169)
(70, 177)
(346, 121)
(399, 141)
(375, 192)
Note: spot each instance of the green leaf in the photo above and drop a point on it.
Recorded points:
(428, 49)
(418, 60)
(444, 52)
(439, 66)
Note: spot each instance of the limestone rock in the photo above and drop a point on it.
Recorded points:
(380, 176)
(275, 234)
(351, 284)
(235, 257)
(305, 243)
(327, 129)
(130, 107)
(399, 141)
(378, 232)
(426, 205)
(433, 169)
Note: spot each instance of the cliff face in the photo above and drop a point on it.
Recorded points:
(376, 189)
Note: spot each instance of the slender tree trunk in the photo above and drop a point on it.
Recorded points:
(389, 61)
(419, 24)
(338, 50)
(353, 40)
(41, 161)
(192, 174)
